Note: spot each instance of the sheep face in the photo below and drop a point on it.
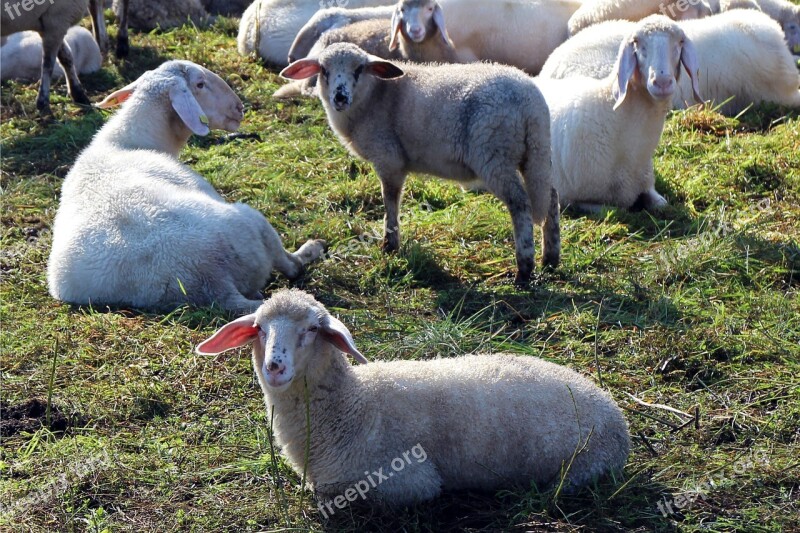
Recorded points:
(791, 29)
(290, 333)
(346, 74)
(418, 20)
(651, 58)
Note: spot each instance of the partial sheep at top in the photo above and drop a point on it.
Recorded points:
(135, 227)
(481, 422)
(21, 54)
(596, 11)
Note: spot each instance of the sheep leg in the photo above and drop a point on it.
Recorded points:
(123, 46)
(227, 296)
(74, 87)
(649, 200)
(551, 233)
(292, 265)
(391, 189)
(99, 25)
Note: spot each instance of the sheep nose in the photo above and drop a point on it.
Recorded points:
(663, 83)
(340, 98)
(274, 367)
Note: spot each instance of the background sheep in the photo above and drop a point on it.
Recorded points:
(604, 132)
(147, 15)
(595, 11)
(21, 54)
(136, 227)
(462, 122)
(96, 8)
(742, 54)
(483, 421)
(787, 15)
(51, 20)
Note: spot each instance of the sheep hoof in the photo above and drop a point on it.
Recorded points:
(390, 245)
(123, 48)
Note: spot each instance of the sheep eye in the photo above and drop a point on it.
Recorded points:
(200, 85)
(358, 72)
(323, 72)
(313, 328)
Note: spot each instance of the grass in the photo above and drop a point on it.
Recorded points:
(111, 423)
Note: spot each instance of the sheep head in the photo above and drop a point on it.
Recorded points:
(651, 58)
(417, 20)
(289, 333)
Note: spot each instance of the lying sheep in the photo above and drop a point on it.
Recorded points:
(463, 122)
(475, 422)
(417, 33)
(51, 20)
(596, 11)
(787, 15)
(742, 53)
(268, 27)
(137, 228)
(21, 55)
(521, 33)
(604, 132)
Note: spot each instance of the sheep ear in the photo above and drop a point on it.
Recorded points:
(117, 97)
(185, 104)
(232, 335)
(383, 69)
(438, 18)
(337, 334)
(692, 66)
(623, 71)
(301, 69)
(397, 24)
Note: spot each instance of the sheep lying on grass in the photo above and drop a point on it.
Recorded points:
(596, 11)
(462, 122)
(742, 55)
(605, 132)
(482, 421)
(22, 55)
(135, 227)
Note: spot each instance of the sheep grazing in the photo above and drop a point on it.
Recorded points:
(743, 58)
(463, 122)
(475, 422)
(596, 11)
(21, 55)
(604, 132)
(137, 228)
(51, 20)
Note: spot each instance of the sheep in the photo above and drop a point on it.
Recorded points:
(604, 132)
(135, 227)
(595, 11)
(521, 33)
(787, 15)
(51, 20)
(148, 15)
(463, 122)
(480, 422)
(22, 55)
(268, 27)
(421, 18)
(96, 8)
(743, 56)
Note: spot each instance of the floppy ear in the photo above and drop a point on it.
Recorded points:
(117, 97)
(301, 69)
(692, 66)
(336, 333)
(185, 104)
(383, 69)
(438, 18)
(397, 24)
(232, 335)
(623, 71)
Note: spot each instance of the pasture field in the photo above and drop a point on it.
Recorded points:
(111, 423)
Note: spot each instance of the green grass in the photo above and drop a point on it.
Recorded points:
(695, 308)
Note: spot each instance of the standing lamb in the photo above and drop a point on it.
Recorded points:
(743, 58)
(475, 422)
(137, 228)
(604, 132)
(22, 55)
(51, 20)
(463, 122)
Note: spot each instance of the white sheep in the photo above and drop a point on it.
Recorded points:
(51, 20)
(474, 422)
(604, 132)
(462, 122)
(596, 11)
(21, 55)
(268, 27)
(521, 33)
(742, 53)
(136, 227)
(787, 15)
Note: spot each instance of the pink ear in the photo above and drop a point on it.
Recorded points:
(185, 104)
(397, 24)
(337, 334)
(117, 97)
(438, 18)
(300, 70)
(692, 66)
(383, 69)
(623, 71)
(232, 335)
